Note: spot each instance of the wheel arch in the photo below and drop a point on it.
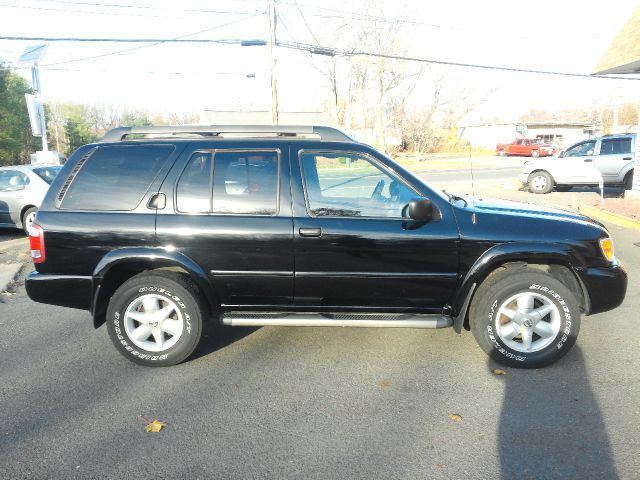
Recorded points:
(120, 265)
(554, 259)
(23, 210)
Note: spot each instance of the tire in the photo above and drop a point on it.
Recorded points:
(628, 180)
(563, 188)
(535, 153)
(168, 340)
(523, 291)
(27, 219)
(540, 182)
(501, 153)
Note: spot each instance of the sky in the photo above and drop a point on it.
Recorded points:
(568, 36)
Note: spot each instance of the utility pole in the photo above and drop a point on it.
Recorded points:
(272, 44)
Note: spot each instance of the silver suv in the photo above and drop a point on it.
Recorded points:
(22, 188)
(610, 158)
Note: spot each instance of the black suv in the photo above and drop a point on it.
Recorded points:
(164, 231)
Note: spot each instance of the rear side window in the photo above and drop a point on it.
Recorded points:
(229, 182)
(194, 187)
(612, 146)
(116, 177)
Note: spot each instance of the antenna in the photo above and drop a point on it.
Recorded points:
(473, 189)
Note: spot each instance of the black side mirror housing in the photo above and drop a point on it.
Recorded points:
(561, 154)
(420, 210)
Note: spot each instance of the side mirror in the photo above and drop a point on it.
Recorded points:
(561, 154)
(420, 209)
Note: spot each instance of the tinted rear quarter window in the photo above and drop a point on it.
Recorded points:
(116, 177)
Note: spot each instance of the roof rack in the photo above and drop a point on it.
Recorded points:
(120, 134)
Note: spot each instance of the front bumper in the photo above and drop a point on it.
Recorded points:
(606, 287)
(64, 290)
(524, 177)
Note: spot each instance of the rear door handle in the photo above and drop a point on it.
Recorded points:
(588, 160)
(310, 232)
(627, 158)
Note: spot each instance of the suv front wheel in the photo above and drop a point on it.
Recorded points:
(155, 318)
(524, 318)
(540, 182)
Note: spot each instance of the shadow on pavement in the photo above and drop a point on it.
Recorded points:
(218, 337)
(10, 234)
(551, 425)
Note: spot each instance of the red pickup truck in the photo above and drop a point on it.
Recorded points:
(527, 147)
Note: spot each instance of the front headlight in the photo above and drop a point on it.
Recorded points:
(606, 245)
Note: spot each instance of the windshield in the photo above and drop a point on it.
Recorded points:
(47, 173)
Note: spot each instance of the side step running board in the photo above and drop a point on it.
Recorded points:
(251, 319)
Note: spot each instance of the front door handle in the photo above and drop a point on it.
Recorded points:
(588, 160)
(310, 232)
(627, 158)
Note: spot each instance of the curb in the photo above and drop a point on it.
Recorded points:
(8, 273)
(14, 242)
(603, 215)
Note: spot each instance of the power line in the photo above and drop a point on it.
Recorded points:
(367, 16)
(137, 7)
(117, 14)
(143, 72)
(305, 21)
(313, 49)
(337, 52)
(230, 41)
(173, 40)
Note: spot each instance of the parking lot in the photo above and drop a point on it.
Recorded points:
(322, 402)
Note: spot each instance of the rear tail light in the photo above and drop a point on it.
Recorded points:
(36, 242)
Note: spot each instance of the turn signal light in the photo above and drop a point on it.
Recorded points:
(36, 243)
(606, 245)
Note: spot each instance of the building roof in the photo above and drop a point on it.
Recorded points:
(623, 55)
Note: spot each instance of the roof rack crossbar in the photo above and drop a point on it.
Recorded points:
(325, 133)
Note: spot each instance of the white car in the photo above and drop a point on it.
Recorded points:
(609, 159)
(22, 188)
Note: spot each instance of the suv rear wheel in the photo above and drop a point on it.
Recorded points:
(524, 318)
(155, 318)
(540, 182)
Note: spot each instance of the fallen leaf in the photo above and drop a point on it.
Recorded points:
(455, 417)
(497, 371)
(384, 383)
(155, 426)
(440, 465)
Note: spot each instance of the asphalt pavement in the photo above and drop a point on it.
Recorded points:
(321, 403)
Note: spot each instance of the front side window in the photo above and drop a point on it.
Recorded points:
(12, 180)
(351, 185)
(613, 146)
(582, 149)
(116, 177)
